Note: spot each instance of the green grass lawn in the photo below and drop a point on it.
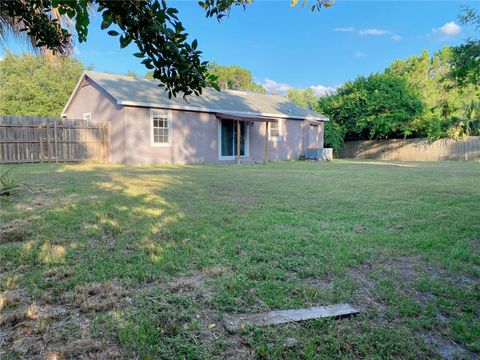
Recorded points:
(106, 261)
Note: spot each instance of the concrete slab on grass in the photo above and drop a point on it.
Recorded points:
(235, 322)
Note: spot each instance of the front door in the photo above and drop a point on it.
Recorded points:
(228, 139)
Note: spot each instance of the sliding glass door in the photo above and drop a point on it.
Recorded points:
(228, 138)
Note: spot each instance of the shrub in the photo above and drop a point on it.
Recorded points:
(8, 183)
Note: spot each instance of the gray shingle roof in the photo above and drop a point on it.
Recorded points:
(141, 92)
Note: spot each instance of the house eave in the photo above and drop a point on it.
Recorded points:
(214, 111)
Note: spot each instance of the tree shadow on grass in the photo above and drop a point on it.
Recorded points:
(146, 259)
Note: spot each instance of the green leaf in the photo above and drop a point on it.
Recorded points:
(107, 21)
(125, 41)
(113, 33)
(139, 54)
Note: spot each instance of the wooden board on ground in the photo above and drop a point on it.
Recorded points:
(235, 322)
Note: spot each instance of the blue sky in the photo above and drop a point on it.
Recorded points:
(291, 47)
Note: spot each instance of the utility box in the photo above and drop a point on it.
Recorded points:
(319, 154)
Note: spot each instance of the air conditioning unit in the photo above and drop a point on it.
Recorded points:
(319, 154)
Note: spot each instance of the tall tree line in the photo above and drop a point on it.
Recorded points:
(416, 97)
(36, 85)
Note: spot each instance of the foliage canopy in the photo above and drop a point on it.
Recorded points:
(375, 107)
(465, 60)
(36, 86)
(235, 77)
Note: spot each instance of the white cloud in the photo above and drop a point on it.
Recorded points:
(446, 32)
(275, 87)
(321, 90)
(358, 53)
(449, 29)
(396, 37)
(344, 29)
(373, 32)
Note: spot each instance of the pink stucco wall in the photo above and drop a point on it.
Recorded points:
(90, 98)
(194, 135)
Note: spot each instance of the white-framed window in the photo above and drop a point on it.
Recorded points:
(274, 131)
(87, 116)
(160, 127)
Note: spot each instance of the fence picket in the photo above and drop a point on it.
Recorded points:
(413, 149)
(32, 141)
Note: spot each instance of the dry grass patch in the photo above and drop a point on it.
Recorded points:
(99, 296)
(58, 273)
(86, 349)
(12, 297)
(13, 235)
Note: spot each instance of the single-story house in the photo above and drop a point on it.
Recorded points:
(146, 127)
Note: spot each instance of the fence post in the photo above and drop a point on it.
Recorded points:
(55, 140)
(49, 143)
(466, 147)
(41, 142)
(69, 144)
(105, 142)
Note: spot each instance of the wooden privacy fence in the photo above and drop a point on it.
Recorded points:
(52, 141)
(413, 149)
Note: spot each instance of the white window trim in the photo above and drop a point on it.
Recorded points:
(275, 138)
(169, 127)
(219, 141)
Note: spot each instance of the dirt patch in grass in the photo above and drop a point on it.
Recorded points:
(186, 284)
(24, 326)
(50, 330)
(475, 245)
(320, 282)
(197, 282)
(404, 272)
(446, 348)
(14, 235)
(86, 349)
(58, 273)
(12, 297)
(31, 312)
(99, 296)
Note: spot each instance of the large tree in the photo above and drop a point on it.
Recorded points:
(446, 104)
(234, 78)
(34, 85)
(152, 25)
(465, 60)
(374, 107)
